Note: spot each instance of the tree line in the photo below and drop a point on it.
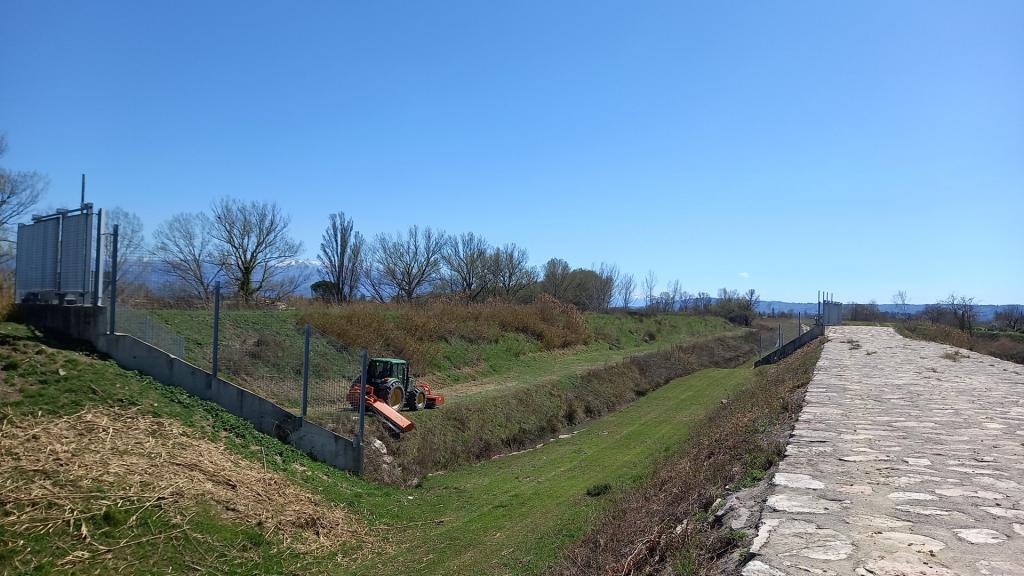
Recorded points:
(956, 310)
(424, 261)
(247, 246)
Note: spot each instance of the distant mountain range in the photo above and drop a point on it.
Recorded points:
(985, 311)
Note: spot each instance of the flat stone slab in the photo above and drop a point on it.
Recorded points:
(903, 462)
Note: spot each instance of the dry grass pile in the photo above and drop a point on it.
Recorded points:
(78, 472)
(668, 522)
(413, 331)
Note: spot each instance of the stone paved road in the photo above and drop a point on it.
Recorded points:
(903, 462)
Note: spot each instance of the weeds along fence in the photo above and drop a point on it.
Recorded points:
(299, 368)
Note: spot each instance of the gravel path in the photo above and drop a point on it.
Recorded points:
(908, 459)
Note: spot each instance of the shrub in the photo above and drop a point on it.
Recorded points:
(416, 331)
(1003, 345)
(6, 296)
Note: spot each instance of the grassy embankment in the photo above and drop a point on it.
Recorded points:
(566, 368)
(448, 344)
(669, 521)
(510, 515)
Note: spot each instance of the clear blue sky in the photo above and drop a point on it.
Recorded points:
(860, 147)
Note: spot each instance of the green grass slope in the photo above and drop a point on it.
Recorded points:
(507, 515)
(515, 514)
(497, 348)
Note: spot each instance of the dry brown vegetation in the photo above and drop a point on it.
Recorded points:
(1006, 346)
(414, 331)
(104, 468)
(668, 523)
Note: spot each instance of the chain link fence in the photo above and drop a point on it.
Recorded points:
(268, 351)
(145, 327)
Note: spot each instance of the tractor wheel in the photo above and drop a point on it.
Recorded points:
(396, 395)
(416, 399)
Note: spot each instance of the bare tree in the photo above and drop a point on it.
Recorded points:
(751, 299)
(1010, 317)
(375, 283)
(663, 303)
(254, 247)
(626, 287)
(132, 264)
(341, 257)
(405, 264)
(557, 279)
(900, 299)
(511, 270)
(702, 302)
(685, 301)
(184, 246)
(963, 309)
(467, 260)
(19, 192)
(675, 292)
(609, 273)
(650, 283)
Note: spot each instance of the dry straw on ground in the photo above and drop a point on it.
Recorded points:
(65, 471)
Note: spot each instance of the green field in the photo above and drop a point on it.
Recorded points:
(508, 515)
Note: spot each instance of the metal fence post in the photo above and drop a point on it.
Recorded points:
(216, 332)
(305, 371)
(780, 334)
(362, 412)
(112, 328)
(362, 396)
(97, 279)
(181, 347)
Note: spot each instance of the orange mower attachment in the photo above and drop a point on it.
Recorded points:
(390, 388)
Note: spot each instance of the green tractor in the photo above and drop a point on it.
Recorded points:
(388, 380)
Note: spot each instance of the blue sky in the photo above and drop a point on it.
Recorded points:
(860, 147)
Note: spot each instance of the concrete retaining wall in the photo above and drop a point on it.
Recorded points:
(89, 323)
(86, 323)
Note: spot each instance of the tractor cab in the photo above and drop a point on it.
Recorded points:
(389, 378)
(388, 381)
(380, 370)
